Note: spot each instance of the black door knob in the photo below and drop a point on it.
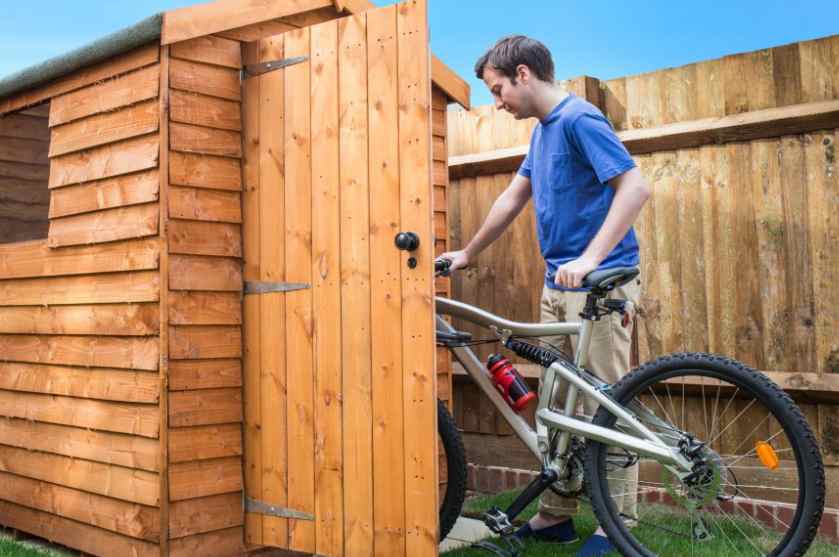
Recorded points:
(407, 241)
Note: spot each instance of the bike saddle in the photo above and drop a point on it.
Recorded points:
(609, 279)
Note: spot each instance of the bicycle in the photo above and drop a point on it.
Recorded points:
(698, 493)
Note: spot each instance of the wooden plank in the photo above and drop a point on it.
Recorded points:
(107, 161)
(190, 480)
(421, 519)
(27, 151)
(22, 126)
(126, 484)
(40, 111)
(95, 414)
(196, 516)
(122, 191)
(749, 126)
(187, 375)
(206, 19)
(786, 74)
(205, 205)
(819, 69)
(205, 407)
(109, 448)
(73, 534)
(204, 238)
(202, 171)
(326, 290)
(110, 95)
(198, 342)
(124, 353)
(206, 442)
(385, 288)
(355, 286)
(36, 259)
(33, 172)
(101, 129)
(252, 428)
(138, 58)
(272, 354)
(102, 384)
(205, 308)
(123, 319)
(822, 200)
(205, 141)
(298, 268)
(221, 543)
(190, 272)
(136, 521)
(452, 84)
(256, 31)
(121, 223)
(201, 110)
(207, 80)
(210, 50)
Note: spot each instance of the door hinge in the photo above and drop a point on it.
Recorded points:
(261, 507)
(255, 70)
(256, 287)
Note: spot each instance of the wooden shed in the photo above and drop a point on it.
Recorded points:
(209, 343)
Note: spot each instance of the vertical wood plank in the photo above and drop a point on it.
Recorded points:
(823, 200)
(417, 284)
(355, 287)
(299, 325)
(251, 305)
(163, 366)
(272, 306)
(326, 292)
(385, 285)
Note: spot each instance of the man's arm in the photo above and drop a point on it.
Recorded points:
(508, 205)
(631, 192)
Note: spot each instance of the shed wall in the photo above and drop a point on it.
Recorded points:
(737, 242)
(79, 326)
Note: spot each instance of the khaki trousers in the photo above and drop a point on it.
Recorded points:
(608, 358)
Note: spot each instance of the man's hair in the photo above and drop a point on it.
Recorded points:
(508, 53)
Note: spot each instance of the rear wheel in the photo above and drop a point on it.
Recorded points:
(757, 486)
(452, 470)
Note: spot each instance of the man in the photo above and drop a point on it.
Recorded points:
(587, 192)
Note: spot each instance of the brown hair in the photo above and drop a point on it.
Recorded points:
(508, 53)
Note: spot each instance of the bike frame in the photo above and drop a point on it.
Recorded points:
(643, 441)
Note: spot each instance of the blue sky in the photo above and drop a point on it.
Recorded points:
(601, 38)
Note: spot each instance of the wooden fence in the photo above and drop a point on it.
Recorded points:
(738, 242)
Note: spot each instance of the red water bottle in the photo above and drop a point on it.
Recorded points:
(509, 383)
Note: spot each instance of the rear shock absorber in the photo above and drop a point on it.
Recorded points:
(533, 353)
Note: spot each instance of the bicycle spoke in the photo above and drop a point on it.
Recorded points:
(732, 422)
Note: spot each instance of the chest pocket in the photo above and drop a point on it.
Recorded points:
(562, 172)
(570, 184)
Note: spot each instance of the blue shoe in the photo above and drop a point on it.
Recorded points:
(563, 532)
(596, 546)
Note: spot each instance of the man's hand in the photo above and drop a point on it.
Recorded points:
(571, 274)
(460, 259)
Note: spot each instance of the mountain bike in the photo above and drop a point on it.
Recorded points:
(727, 464)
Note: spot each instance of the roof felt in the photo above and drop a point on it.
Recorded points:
(127, 39)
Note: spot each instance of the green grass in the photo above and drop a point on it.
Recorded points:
(11, 548)
(586, 524)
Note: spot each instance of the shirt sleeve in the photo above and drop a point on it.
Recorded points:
(524, 169)
(600, 145)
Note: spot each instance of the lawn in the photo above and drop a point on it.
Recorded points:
(12, 548)
(586, 524)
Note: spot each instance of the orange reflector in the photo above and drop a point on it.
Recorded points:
(766, 454)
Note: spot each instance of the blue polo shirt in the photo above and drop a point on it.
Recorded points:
(573, 154)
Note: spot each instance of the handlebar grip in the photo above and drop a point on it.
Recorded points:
(441, 266)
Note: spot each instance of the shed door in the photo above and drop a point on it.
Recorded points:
(340, 438)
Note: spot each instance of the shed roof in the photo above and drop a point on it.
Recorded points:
(205, 19)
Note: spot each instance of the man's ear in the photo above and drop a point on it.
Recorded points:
(523, 73)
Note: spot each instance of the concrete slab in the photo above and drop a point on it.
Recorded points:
(466, 531)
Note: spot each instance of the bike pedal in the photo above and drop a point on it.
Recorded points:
(498, 522)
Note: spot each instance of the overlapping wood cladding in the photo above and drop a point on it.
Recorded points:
(24, 166)
(734, 241)
(204, 303)
(80, 321)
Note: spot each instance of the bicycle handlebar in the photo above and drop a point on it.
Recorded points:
(441, 267)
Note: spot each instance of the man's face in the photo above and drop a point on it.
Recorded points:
(509, 97)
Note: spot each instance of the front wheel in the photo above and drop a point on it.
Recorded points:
(757, 486)
(452, 470)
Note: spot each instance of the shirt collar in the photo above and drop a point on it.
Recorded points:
(554, 114)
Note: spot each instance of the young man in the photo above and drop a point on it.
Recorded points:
(587, 192)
